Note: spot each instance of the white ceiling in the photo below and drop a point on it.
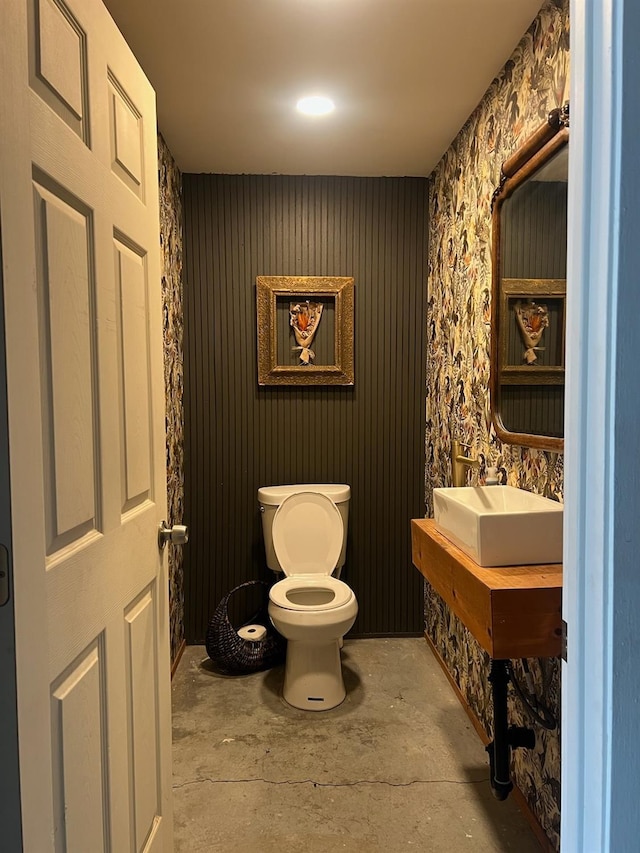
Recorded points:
(404, 74)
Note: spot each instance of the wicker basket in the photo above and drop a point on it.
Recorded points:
(234, 655)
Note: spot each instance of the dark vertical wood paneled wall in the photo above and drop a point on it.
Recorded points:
(239, 436)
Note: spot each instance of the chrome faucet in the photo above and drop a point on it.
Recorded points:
(459, 462)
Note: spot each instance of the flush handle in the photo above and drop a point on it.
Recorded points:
(176, 535)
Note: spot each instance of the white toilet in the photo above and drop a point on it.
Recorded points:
(305, 534)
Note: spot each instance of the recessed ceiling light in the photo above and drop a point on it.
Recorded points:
(315, 105)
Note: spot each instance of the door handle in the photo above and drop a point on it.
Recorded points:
(177, 535)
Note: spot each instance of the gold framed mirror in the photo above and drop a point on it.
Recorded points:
(529, 258)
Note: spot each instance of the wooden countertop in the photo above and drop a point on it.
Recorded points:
(513, 611)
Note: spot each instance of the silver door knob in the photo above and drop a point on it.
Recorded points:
(177, 535)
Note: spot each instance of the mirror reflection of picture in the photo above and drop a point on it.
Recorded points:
(533, 319)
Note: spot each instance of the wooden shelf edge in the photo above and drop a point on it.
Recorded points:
(463, 592)
(512, 612)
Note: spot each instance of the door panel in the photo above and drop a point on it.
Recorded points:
(58, 61)
(134, 376)
(79, 745)
(143, 711)
(59, 53)
(126, 137)
(85, 388)
(66, 366)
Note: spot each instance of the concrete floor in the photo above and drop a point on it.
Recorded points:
(396, 767)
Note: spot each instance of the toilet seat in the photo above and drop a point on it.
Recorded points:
(307, 534)
(307, 538)
(320, 593)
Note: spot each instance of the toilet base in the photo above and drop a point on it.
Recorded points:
(313, 676)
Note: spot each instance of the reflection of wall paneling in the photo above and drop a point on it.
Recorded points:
(533, 408)
(240, 436)
(534, 246)
(535, 241)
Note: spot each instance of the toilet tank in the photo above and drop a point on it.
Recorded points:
(270, 498)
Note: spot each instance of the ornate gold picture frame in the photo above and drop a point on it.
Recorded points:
(305, 330)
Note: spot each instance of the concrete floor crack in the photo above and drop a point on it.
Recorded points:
(317, 784)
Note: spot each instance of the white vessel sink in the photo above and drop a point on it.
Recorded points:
(500, 525)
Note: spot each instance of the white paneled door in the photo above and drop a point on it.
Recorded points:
(83, 335)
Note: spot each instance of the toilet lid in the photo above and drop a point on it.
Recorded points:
(307, 534)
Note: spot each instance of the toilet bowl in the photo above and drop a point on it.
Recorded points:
(310, 608)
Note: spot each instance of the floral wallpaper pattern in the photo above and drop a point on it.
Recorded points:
(533, 81)
(170, 181)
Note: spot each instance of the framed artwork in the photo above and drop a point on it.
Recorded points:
(305, 330)
(532, 324)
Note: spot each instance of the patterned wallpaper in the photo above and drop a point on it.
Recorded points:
(533, 81)
(170, 181)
